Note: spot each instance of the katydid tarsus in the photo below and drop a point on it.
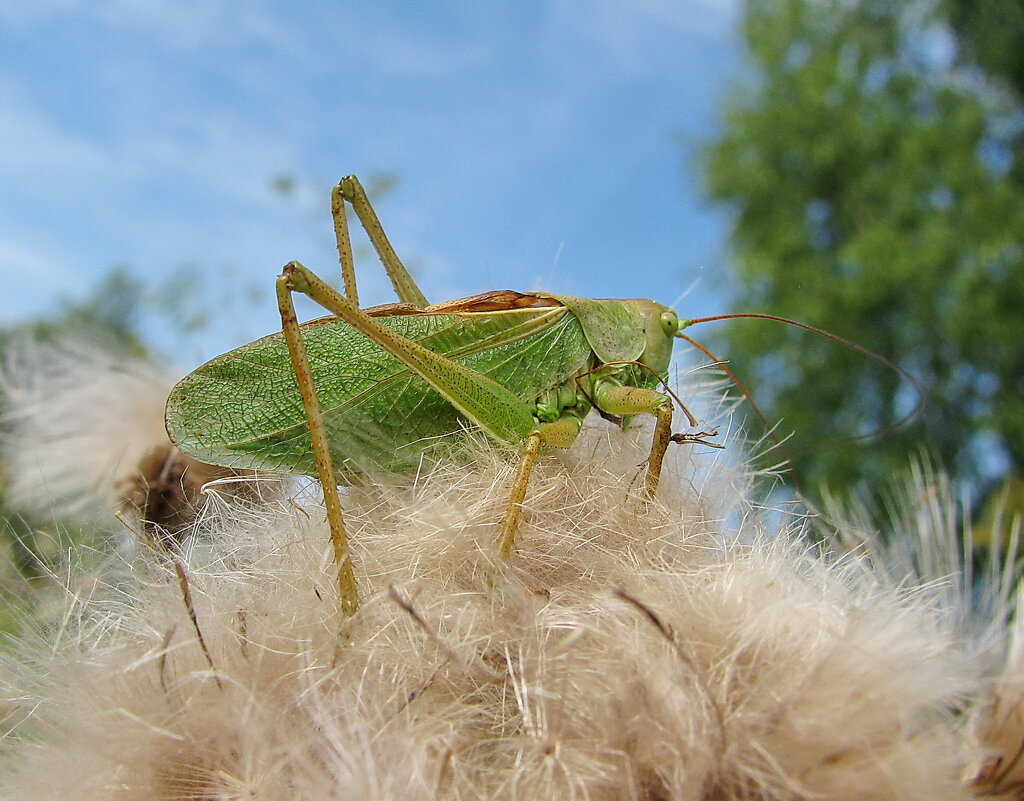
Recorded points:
(369, 390)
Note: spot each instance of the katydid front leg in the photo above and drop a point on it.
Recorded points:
(620, 400)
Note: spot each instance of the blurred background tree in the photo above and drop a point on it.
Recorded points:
(874, 163)
(990, 34)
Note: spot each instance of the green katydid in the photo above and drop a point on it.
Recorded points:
(369, 390)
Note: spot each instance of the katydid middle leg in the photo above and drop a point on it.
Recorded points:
(560, 434)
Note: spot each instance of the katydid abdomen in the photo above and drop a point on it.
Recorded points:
(243, 409)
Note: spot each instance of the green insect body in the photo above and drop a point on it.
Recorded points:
(370, 390)
(379, 415)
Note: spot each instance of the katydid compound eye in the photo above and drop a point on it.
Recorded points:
(670, 322)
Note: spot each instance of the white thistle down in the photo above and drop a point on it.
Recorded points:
(77, 422)
(84, 438)
(627, 651)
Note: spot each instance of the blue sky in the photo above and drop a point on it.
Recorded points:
(535, 145)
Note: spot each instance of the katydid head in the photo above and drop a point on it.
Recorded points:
(661, 324)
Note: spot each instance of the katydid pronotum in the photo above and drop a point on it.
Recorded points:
(369, 390)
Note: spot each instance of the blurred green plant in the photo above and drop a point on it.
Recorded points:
(110, 316)
(874, 166)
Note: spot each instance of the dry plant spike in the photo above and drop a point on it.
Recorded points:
(685, 659)
(164, 650)
(399, 598)
(186, 596)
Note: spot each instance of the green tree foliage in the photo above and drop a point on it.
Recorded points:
(991, 35)
(108, 315)
(873, 181)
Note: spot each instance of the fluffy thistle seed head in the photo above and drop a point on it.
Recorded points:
(166, 493)
(78, 421)
(628, 650)
(689, 648)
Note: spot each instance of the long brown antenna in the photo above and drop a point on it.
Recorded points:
(918, 386)
(768, 427)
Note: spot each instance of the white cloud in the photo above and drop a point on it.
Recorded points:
(401, 52)
(625, 32)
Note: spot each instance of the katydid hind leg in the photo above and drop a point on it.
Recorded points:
(321, 450)
(344, 241)
(349, 189)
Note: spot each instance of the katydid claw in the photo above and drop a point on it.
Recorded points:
(698, 437)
